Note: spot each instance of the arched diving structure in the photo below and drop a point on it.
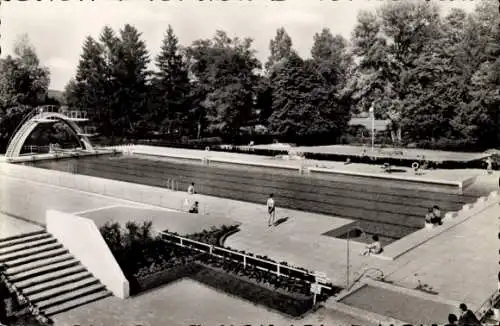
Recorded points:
(47, 114)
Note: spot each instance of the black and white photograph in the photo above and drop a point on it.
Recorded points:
(249, 162)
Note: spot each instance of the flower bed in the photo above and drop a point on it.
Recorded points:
(159, 262)
(294, 304)
(155, 262)
(164, 276)
(214, 236)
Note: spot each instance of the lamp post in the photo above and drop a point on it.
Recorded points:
(372, 116)
(348, 251)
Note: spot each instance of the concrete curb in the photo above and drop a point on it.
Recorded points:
(451, 219)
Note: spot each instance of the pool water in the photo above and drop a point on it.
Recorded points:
(389, 208)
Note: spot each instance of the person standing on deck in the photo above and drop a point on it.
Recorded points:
(271, 210)
(489, 165)
(191, 189)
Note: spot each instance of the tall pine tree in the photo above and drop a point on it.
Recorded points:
(172, 88)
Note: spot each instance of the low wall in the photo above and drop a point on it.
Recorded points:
(107, 187)
(58, 156)
(84, 241)
(451, 219)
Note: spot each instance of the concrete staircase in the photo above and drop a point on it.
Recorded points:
(47, 274)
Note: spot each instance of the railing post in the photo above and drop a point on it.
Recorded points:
(181, 242)
(278, 269)
(211, 250)
(244, 261)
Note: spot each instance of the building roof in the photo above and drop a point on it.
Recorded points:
(380, 125)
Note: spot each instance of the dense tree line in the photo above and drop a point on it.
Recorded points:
(435, 77)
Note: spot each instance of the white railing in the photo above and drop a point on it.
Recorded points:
(244, 258)
(76, 114)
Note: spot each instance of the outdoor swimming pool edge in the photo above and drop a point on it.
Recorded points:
(203, 157)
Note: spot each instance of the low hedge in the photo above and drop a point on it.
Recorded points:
(162, 262)
(164, 276)
(238, 285)
(214, 236)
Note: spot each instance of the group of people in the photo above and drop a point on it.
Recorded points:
(466, 318)
(433, 216)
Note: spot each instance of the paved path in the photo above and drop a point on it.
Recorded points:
(187, 302)
(10, 226)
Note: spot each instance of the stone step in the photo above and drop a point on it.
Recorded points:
(45, 304)
(57, 282)
(16, 241)
(38, 263)
(43, 255)
(77, 302)
(50, 277)
(44, 270)
(27, 245)
(22, 236)
(28, 252)
(63, 289)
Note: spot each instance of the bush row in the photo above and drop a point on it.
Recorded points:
(162, 262)
(140, 254)
(237, 285)
(214, 236)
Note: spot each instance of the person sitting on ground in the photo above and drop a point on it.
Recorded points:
(429, 216)
(452, 320)
(191, 189)
(195, 208)
(436, 219)
(467, 317)
(374, 248)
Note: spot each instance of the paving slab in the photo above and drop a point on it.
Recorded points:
(185, 303)
(11, 226)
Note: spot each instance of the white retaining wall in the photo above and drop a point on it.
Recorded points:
(84, 241)
(107, 187)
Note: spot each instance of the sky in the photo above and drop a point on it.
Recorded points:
(57, 29)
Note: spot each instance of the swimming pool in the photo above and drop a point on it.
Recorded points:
(392, 209)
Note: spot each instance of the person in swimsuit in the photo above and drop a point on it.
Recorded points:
(374, 248)
(271, 210)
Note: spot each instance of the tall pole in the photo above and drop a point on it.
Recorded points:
(372, 114)
(347, 269)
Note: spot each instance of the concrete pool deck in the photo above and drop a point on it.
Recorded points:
(460, 178)
(186, 303)
(408, 153)
(298, 240)
(448, 263)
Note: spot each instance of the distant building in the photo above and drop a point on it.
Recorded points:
(380, 125)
